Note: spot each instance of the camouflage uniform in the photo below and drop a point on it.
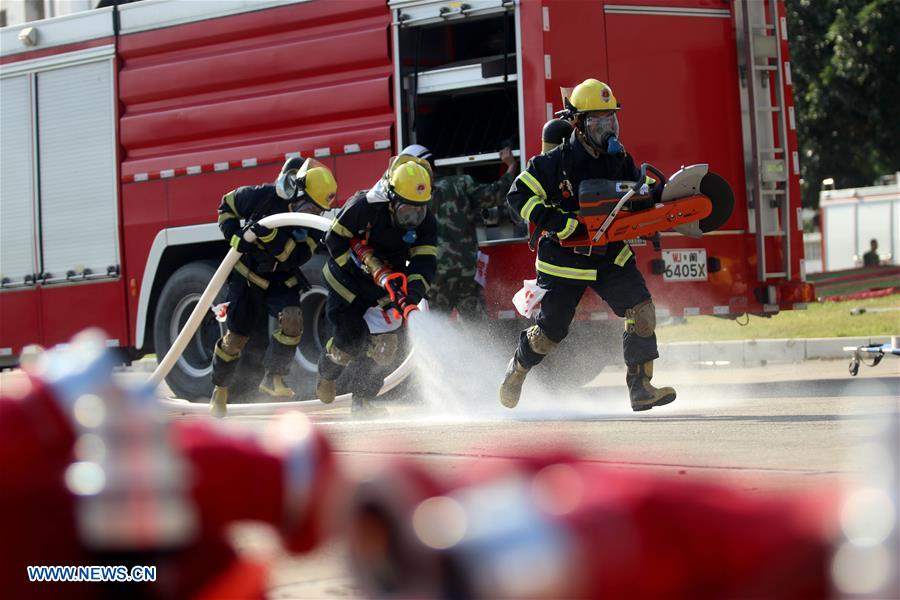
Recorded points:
(457, 204)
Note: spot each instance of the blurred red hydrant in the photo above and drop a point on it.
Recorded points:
(561, 528)
(91, 475)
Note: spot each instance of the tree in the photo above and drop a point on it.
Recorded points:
(844, 57)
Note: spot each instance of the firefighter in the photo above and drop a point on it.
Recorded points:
(457, 205)
(546, 195)
(268, 276)
(385, 232)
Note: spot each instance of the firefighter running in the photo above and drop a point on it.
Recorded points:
(268, 276)
(545, 194)
(382, 248)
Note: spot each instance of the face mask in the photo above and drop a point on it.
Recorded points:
(304, 205)
(600, 127)
(408, 216)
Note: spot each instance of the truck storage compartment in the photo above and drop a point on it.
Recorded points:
(459, 96)
(459, 92)
(458, 124)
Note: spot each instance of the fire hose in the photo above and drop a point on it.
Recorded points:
(205, 302)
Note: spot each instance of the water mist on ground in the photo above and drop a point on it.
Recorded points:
(458, 368)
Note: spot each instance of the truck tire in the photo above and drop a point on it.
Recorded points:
(190, 378)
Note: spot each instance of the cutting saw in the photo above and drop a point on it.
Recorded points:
(692, 202)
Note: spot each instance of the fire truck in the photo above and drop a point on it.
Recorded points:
(124, 126)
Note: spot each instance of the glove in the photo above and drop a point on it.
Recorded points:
(260, 230)
(240, 244)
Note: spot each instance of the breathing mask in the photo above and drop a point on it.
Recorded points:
(599, 127)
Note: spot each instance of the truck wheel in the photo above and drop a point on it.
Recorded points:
(190, 377)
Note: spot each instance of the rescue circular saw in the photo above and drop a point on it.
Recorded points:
(693, 201)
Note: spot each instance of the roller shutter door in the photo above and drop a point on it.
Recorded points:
(77, 150)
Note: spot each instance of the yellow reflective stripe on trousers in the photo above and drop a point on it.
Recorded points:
(624, 254)
(571, 224)
(533, 184)
(417, 277)
(229, 201)
(312, 243)
(286, 340)
(291, 282)
(225, 216)
(423, 251)
(336, 285)
(288, 248)
(253, 277)
(343, 258)
(525, 213)
(567, 272)
(340, 229)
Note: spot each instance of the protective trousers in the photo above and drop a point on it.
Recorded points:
(367, 356)
(622, 288)
(248, 306)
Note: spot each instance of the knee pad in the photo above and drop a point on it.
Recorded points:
(232, 343)
(291, 321)
(641, 319)
(383, 348)
(336, 355)
(538, 340)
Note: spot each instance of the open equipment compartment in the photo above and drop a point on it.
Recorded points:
(457, 92)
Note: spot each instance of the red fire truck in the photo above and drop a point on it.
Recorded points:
(124, 126)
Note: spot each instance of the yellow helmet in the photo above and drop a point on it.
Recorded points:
(318, 183)
(405, 158)
(411, 183)
(591, 95)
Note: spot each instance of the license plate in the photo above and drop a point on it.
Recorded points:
(685, 265)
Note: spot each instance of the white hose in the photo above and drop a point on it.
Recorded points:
(205, 302)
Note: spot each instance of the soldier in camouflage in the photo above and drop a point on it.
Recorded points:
(457, 204)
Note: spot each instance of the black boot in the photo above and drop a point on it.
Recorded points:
(643, 395)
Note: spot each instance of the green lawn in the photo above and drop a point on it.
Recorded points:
(827, 319)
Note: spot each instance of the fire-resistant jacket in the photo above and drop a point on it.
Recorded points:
(413, 253)
(279, 254)
(537, 195)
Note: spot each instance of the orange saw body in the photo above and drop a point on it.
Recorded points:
(634, 224)
(693, 201)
